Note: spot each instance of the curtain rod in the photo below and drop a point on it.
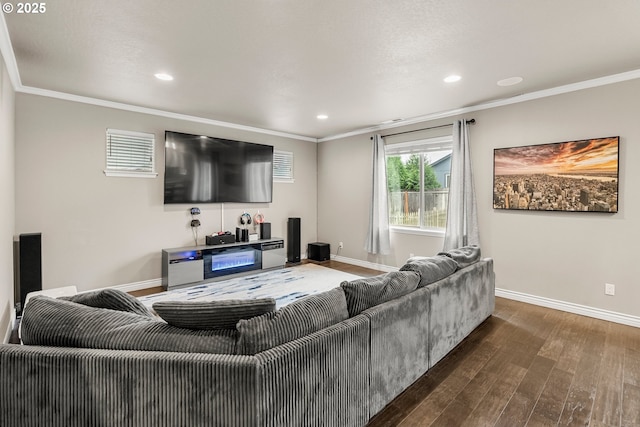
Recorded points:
(469, 122)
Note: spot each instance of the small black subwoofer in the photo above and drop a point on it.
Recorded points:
(319, 251)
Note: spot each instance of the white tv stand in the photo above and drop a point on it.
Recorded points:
(193, 265)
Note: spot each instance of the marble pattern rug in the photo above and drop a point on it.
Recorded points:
(284, 285)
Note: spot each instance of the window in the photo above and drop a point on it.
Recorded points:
(282, 166)
(130, 154)
(418, 183)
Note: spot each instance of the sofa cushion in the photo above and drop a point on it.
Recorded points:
(464, 256)
(56, 322)
(112, 299)
(300, 318)
(370, 291)
(430, 269)
(212, 314)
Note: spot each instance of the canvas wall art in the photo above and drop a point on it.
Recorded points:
(573, 176)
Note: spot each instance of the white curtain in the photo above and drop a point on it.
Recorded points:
(378, 241)
(462, 214)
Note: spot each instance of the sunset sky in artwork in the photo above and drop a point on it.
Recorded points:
(586, 156)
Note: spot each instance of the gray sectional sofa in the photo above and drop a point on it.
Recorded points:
(331, 359)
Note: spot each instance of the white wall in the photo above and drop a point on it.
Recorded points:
(100, 231)
(7, 199)
(344, 194)
(558, 255)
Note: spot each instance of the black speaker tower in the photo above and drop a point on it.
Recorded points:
(293, 240)
(28, 267)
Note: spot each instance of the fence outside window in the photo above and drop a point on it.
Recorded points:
(405, 209)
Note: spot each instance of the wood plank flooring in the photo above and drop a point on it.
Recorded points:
(529, 366)
(525, 366)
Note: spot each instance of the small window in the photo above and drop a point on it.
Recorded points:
(282, 166)
(418, 174)
(130, 154)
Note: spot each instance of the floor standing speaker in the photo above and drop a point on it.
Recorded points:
(29, 267)
(293, 240)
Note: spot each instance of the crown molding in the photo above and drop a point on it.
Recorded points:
(6, 50)
(573, 87)
(152, 111)
(11, 64)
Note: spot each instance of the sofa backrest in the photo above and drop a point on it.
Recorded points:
(371, 291)
(55, 322)
(300, 318)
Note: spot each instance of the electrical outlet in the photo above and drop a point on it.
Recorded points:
(340, 245)
(609, 289)
(411, 255)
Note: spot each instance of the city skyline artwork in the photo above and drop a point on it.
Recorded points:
(574, 176)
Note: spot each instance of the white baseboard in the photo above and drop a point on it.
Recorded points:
(597, 313)
(365, 264)
(138, 286)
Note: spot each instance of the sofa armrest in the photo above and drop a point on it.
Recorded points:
(459, 304)
(79, 387)
(318, 380)
(399, 345)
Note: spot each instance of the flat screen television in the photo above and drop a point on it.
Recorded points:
(203, 169)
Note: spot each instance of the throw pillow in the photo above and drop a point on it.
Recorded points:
(113, 299)
(55, 322)
(371, 291)
(212, 314)
(296, 320)
(430, 269)
(464, 256)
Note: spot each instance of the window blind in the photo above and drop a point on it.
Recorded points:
(130, 153)
(282, 166)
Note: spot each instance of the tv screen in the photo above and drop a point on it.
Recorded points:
(203, 169)
(577, 176)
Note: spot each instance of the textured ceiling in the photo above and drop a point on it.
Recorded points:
(277, 64)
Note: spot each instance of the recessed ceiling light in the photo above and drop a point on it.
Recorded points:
(452, 78)
(322, 117)
(163, 76)
(510, 81)
(386, 122)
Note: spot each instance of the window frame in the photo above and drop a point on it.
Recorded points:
(148, 138)
(420, 146)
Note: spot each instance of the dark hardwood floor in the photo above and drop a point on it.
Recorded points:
(529, 366)
(525, 366)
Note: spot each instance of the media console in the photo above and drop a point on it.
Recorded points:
(192, 265)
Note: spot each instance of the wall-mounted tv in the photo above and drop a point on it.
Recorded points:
(203, 169)
(577, 176)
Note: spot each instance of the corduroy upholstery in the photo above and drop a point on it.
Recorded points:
(79, 387)
(340, 375)
(300, 318)
(112, 299)
(55, 322)
(399, 345)
(459, 303)
(431, 269)
(464, 256)
(224, 314)
(371, 291)
(325, 373)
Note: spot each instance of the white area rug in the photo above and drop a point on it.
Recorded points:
(284, 285)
